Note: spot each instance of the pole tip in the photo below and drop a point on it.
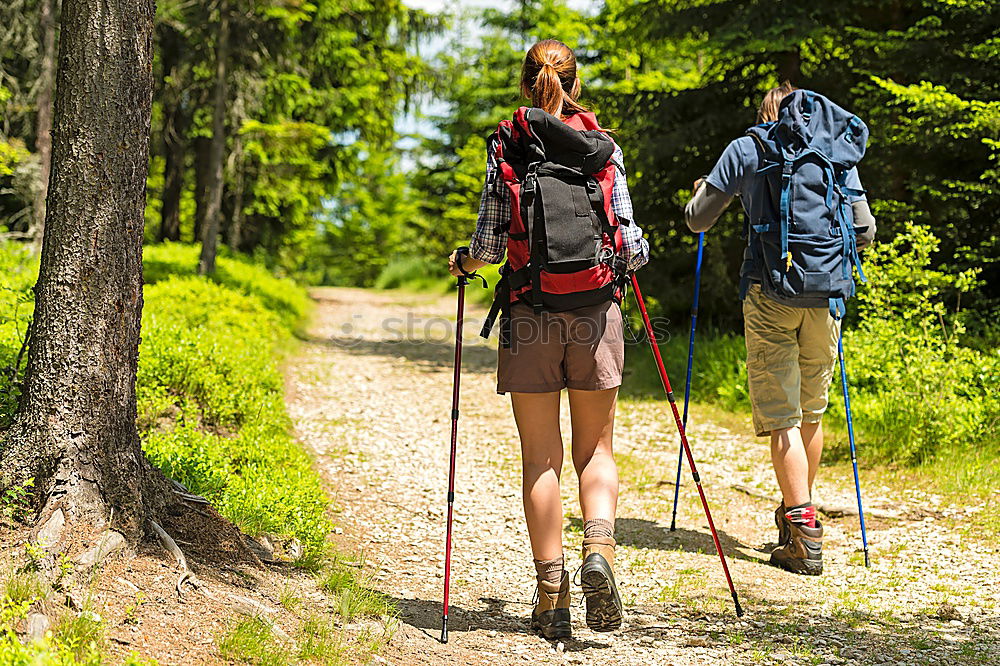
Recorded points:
(444, 630)
(673, 526)
(739, 609)
(868, 563)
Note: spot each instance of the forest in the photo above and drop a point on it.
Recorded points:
(300, 144)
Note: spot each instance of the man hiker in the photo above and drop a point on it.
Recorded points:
(806, 217)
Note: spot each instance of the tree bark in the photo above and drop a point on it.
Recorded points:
(234, 235)
(202, 146)
(75, 431)
(174, 144)
(43, 133)
(216, 156)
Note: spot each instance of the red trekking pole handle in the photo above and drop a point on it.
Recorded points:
(684, 442)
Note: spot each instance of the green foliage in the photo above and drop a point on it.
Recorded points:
(18, 268)
(75, 639)
(211, 402)
(919, 391)
(430, 275)
(15, 502)
(234, 272)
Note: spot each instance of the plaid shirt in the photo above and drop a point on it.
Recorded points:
(489, 241)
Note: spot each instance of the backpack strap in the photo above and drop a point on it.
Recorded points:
(837, 308)
(500, 308)
(787, 171)
(851, 256)
(536, 233)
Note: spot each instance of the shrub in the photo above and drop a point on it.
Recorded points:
(210, 396)
(917, 390)
(19, 269)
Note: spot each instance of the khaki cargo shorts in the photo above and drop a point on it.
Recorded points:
(580, 349)
(790, 357)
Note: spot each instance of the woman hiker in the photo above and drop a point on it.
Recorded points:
(791, 342)
(556, 201)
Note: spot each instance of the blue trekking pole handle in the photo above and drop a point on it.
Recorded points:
(850, 436)
(690, 366)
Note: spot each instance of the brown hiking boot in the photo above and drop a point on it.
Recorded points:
(781, 521)
(803, 552)
(597, 576)
(551, 613)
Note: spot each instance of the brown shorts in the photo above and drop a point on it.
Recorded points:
(579, 349)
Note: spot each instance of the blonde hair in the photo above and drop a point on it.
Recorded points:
(767, 112)
(548, 78)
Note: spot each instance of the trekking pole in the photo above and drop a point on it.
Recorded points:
(687, 382)
(462, 281)
(684, 443)
(850, 437)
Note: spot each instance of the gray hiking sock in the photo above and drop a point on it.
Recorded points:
(598, 528)
(550, 570)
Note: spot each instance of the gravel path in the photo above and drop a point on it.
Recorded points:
(370, 394)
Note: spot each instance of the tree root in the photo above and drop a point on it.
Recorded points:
(186, 576)
(181, 491)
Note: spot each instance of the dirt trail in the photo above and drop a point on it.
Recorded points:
(370, 395)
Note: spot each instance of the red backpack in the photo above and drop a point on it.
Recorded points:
(564, 247)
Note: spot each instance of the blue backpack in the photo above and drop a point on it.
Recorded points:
(800, 226)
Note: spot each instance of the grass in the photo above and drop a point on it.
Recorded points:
(73, 639)
(354, 598)
(318, 640)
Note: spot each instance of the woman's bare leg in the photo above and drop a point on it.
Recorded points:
(537, 417)
(593, 417)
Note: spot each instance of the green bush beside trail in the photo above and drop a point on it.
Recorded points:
(210, 403)
(210, 394)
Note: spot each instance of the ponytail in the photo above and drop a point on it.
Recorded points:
(548, 78)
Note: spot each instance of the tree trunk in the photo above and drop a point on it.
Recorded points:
(174, 127)
(202, 147)
(236, 222)
(75, 431)
(216, 156)
(43, 134)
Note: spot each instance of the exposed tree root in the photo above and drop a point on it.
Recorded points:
(171, 547)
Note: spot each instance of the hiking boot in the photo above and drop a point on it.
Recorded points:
(551, 613)
(803, 553)
(597, 576)
(781, 521)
